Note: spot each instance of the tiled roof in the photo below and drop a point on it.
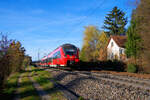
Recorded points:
(120, 40)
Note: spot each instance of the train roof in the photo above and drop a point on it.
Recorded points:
(68, 46)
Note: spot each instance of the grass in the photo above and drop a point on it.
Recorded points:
(11, 84)
(42, 77)
(8, 90)
(26, 90)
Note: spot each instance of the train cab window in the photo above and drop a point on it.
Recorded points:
(70, 51)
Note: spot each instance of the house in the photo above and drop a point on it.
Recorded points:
(116, 48)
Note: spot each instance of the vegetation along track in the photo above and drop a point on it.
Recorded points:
(44, 95)
(68, 94)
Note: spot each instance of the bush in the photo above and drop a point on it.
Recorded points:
(132, 68)
(81, 98)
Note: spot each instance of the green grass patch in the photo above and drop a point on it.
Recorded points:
(42, 77)
(26, 90)
(11, 84)
(25, 74)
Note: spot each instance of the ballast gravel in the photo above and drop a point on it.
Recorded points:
(91, 88)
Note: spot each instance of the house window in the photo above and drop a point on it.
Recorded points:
(112, 44)
(112, 56)
(121, 51)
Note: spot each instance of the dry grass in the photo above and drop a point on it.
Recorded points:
(144, 76)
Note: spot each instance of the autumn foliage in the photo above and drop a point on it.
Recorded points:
(142, 14)
(90, 49)
(103, 41)
(12, 57)
(94, 45)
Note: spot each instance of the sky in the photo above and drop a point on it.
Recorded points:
(43, 25)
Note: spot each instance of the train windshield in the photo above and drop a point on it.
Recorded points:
(69, 49)
(70, 52)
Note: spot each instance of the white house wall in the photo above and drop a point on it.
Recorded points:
(112, 50)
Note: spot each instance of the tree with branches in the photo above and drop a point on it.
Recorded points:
(115, 22)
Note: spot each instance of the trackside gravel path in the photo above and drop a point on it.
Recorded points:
(100, 86)
(67, 94)
(43, 95)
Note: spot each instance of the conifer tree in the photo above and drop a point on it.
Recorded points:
(133, 46)
(115, 22)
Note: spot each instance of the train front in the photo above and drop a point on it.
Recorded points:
(71, 54)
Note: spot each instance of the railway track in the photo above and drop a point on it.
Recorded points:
(132, 82)
(121, 78)
(118, 81)
(127, 79)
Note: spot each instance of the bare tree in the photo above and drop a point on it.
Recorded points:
(4, 44)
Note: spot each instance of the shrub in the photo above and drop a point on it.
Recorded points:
(132, 68)
(81, 98)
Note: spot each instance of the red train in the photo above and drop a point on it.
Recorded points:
(64, 55)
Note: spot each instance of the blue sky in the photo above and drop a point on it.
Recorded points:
(43, 25)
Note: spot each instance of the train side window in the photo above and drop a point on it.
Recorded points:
(45, 60)
(51, 59)
(55, 55)
(58, 54)
(48, 59)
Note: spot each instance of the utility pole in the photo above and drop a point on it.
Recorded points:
(38, 54)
